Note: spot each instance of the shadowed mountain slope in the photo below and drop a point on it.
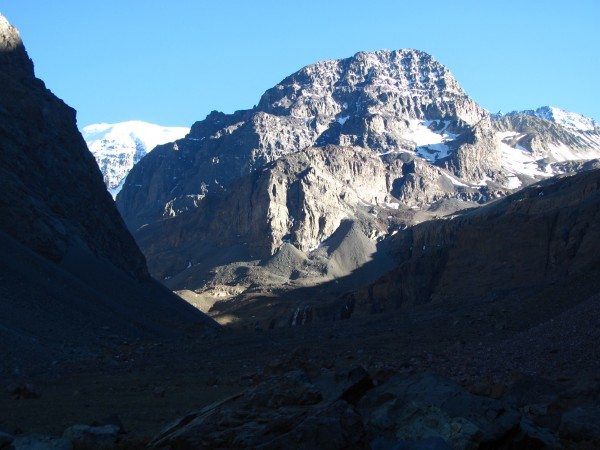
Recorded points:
(72, 275)
(538, 245)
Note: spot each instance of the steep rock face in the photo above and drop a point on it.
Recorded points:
(383, 101)
(118, 147)
(300, 199)
(477, 156)
(541, 241)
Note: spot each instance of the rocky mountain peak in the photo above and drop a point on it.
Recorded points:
(333, 159)
(384, 101)
(404, 83)
(13, 56)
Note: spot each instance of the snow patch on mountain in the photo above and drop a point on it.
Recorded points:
(430, 138)
(519, 161)
(117, 147)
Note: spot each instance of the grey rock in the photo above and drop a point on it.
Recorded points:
(41, 442)
(423, 406)
(316, 214)
(350, 386)
(477, 155)
(580, 424)
(93, 437)
(532, 436)
(432, 443)
(282, 412)
(113, 420)
(5, 440)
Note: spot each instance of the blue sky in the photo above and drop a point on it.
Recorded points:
(173, 62)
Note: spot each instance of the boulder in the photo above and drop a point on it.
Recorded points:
(93, 437)
(5, 440)
(41, 442)
(283, 411)
(414, 408)
(581, 424)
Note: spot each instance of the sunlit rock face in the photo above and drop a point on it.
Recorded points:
(386, 101)
(340, 154)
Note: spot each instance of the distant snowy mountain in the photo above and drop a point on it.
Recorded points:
(559, 116)
(117, 147)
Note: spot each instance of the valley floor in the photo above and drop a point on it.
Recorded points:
(148, 386)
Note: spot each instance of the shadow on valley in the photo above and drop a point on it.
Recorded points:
(535, 247)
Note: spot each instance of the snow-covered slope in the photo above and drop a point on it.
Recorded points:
(117, 147)
(544, 144)
(559, 116)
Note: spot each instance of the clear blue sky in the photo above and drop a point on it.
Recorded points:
(172, 62)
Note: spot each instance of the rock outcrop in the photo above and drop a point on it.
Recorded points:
(300, 200)
(477, 156)
(331, 204)
(352, 410)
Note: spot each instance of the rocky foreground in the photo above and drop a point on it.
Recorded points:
(363, 383)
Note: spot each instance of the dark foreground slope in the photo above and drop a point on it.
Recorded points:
(71, 274)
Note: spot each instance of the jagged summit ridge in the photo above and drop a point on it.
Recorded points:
(330, 88)
(385, 101)
(9, 36)
(13, 56)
